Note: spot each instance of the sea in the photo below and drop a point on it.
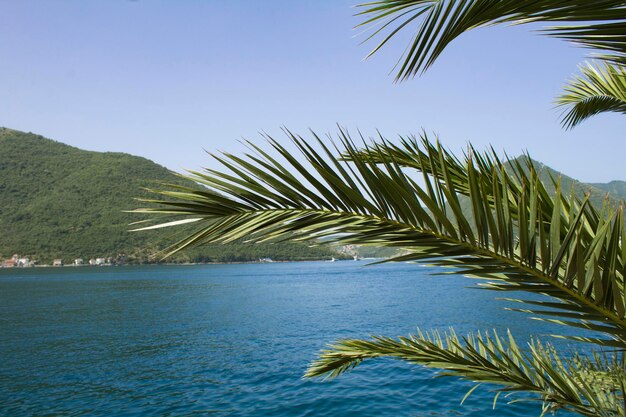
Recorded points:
(235, 340)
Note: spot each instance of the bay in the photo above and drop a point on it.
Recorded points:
(234, 340)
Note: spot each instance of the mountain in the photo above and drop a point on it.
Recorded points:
(615, 188)
(614, 191)
(61, 202)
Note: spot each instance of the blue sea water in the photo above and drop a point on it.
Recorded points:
(233, 340)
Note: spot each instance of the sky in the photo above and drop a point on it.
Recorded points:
(169, 80)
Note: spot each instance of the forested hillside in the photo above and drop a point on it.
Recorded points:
(57, 201)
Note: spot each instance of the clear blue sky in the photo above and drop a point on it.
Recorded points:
(167, 79)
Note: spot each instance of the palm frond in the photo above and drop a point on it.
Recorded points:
(598, 89)
(516, 236)
(588, 386)
(599, 24)
(431, 159)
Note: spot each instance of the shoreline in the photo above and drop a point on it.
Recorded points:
(178, 263)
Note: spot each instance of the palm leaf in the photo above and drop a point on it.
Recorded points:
(599, 89)
(516, 238)
(591, 386)
(599, 24)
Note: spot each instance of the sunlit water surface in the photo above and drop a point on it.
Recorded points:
(233, 340)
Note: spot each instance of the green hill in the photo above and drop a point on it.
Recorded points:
(58, 201)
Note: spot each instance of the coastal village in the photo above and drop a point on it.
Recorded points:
(17, 261)
(23, 262)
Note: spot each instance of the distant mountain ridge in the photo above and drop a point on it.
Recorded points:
(614, 190)
(61, 202)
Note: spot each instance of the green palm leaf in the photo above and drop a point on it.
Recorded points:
(516, 237)
(599, 89)
(599, 24)
(588, 386)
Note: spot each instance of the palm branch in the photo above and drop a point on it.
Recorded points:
(599, 89)
(517, 236)
(599, 24)
(591, 386)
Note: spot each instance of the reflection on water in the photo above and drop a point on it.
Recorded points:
(231, 340)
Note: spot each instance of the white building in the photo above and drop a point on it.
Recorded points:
(24, 262)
